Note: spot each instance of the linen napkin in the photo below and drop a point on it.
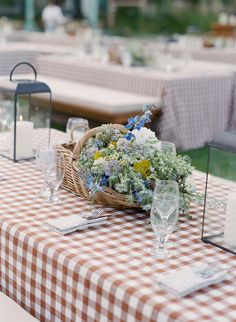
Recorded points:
(66, 225)
(188, 280)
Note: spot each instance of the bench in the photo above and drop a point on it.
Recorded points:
(97, 104)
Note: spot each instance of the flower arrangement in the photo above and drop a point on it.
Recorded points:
(130, 162)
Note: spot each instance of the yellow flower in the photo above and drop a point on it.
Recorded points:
(143, 167)
(114, 143)
(97, 155)
(112, 146)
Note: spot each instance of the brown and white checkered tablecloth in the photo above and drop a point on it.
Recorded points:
(196, 110)
(198, 98)
(218, 55)
(9, 57)
(100, 274)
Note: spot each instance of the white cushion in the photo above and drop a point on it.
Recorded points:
(96, 98)
(10, 311)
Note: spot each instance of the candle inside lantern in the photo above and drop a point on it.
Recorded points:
(230, 221)
(24, 139)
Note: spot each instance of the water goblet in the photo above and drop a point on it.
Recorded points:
(76, 127)
(54, 175)
(44, 156)
(164, 214)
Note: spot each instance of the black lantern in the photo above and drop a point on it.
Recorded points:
(219, 217)
(25, 114)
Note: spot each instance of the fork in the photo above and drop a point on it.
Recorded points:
(96, 213)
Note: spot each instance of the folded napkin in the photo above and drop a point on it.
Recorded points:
(66, 225)
(186, 281)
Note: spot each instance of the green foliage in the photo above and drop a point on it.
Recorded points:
(131, 21)
(7, 3)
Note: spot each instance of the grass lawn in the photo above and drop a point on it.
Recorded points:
(198, 157)
(222, 163)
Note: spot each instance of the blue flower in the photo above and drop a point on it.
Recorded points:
(129, 136)
(89, 182)
(147, 108)
(137, 197)
(99, 143)
(140, 124)
(131, 122)
(147, 183)
(104, 181)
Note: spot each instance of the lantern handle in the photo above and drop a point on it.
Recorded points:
(23, 63)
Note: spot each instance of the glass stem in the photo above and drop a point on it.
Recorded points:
(52, 194)
(44, 184)
(162, 242)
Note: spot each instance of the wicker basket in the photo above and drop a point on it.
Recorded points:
(73, 182)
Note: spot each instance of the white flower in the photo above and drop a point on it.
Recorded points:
(100, 161)
(157, 145)
(145, 135)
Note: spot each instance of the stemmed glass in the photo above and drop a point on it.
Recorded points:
(76, 127)
(44, 156)
(164, 214)
(54, 175)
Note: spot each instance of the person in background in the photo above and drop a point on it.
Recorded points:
(5, 30)
(52, 17)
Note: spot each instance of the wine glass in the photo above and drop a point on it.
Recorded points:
(164, 214)
(76, 127)
(44, 156)
(168, 147)
(54, 175)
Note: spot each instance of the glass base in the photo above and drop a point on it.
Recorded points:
(44, 193)
(160, 253)
(54, 200)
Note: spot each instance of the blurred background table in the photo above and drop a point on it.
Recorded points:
(198, 96)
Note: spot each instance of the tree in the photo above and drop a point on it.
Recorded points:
(77, 13)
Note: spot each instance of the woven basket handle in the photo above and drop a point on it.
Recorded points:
(78, 126)
(90, 133)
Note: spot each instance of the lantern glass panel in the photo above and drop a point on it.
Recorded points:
(221, 185)
(25, 112)
(41, 111)
(6, 121)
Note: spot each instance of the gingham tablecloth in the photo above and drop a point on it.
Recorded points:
(100, 274)
(218, 55)
(196, 110)
(198, 98)
(9, 57)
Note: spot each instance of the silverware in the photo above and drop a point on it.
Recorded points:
(210, 270)
(96, 213)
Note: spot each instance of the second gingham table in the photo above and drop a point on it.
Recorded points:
(99, 274)
(10, 56)
(198, 98)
